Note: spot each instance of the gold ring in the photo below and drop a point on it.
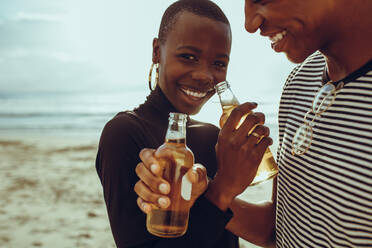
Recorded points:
(256, 135)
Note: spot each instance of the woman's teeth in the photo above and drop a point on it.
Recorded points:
(278, 36)
(194, 93)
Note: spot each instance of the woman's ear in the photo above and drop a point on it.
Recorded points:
(155, 51)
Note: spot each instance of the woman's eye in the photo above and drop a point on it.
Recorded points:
(220, 64)
(188, 56)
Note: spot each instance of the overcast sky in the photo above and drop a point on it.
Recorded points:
(106, 45)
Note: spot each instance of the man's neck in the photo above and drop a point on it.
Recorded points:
(351, 48)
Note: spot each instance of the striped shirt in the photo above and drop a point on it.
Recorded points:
(325, 196)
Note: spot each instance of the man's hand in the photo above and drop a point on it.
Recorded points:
(239, 152)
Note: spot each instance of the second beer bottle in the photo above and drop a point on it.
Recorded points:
(173, 221)
(267, 168)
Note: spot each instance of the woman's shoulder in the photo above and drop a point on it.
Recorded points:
(125, 119)
(123, 124)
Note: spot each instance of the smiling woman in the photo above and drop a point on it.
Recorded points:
(192, 53)
(189, 67)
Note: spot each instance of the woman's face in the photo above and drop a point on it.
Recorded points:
(192, 60)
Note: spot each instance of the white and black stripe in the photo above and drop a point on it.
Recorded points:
(325, 196)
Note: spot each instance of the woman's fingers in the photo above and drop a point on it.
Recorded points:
(149, 196)
(197, 176)
(155, 183)
(197, 173)
(144, 206)
(148, 158)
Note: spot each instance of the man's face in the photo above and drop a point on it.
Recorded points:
(296, 27)
(192, 60)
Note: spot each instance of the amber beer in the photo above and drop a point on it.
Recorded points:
(267, 168)
(173, 221)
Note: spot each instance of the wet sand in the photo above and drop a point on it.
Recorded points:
(50, 195)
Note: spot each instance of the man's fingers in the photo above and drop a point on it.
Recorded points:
(258, 134)
(264, 143)
(262, 146)
(252, 121)
(237, 114)
(262, 130)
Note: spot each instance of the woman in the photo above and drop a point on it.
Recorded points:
(190, 55)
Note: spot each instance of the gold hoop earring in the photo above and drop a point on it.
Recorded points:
(156, 75)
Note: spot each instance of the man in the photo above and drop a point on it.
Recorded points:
(323, 194)
(324, 187)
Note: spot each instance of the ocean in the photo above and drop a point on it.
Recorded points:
(61, 113)
(84, 113)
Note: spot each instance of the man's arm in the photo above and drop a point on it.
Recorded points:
(238, 157)
(254, 222)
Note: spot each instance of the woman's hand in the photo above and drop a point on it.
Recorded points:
(239, 152)
(152, 189)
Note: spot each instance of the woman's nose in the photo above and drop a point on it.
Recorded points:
(203, 74)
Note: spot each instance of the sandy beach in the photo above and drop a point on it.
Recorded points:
(50, 195)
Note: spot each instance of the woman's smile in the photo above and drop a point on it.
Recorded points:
(193, 94)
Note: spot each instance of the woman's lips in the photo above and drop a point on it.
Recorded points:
(194, 94)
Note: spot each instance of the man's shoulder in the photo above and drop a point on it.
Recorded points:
(314, 63)
(315, 58)
(311, 68)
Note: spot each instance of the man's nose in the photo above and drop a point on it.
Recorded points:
(253, 20)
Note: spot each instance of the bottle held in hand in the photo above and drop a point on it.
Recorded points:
(268, 168)
(173, 221)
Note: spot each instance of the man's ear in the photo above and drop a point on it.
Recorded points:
(155, 51)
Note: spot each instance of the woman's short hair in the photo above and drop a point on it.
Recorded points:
(204, 8)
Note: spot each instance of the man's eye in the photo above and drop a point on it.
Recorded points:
(256, 1)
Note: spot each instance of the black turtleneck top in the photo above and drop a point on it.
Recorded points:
(122, 139)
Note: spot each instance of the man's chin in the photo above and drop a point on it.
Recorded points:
(297, 58)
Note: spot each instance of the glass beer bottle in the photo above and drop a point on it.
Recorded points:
(267, 168)
(173, 221)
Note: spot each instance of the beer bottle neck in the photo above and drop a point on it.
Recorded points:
(176, 132)
(226, 95)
